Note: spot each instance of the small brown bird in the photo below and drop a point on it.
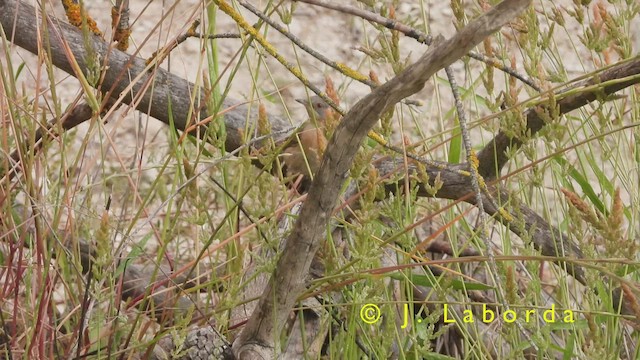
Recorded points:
(304, 154)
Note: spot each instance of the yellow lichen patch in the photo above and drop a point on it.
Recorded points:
(93, 26)
(505, 214)
(122, 37)
(354, 74)
(75, 15)
(473, 159)
(481, 183)
(115, 17)
(121, 34)
(193, 27)
(151, 58)
(377, 138)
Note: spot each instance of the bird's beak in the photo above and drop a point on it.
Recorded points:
(302, 101)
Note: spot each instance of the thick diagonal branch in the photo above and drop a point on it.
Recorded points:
(258, 338)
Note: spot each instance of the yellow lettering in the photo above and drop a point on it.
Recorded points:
(568, 316)
(406, 316)
(468, 316)
(512, 315)
(529, 312)
(484, 314)
(551, 312)
(446, 314)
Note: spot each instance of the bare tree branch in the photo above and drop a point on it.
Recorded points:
(494, 155)
(126, 77)
(519, 218)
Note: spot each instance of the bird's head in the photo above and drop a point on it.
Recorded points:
(316, 108)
